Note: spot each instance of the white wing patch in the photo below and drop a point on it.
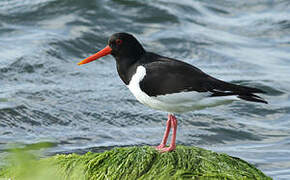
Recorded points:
(177, 102)
(217, 90)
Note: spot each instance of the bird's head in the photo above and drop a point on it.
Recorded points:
(121, 46)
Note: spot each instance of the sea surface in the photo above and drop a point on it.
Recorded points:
(46, 97)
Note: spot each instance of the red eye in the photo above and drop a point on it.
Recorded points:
(119, 41)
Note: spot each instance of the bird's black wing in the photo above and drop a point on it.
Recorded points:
(168, 76)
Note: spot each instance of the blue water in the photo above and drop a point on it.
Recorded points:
(45, 96)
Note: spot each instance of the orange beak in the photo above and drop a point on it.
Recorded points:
(107, 50)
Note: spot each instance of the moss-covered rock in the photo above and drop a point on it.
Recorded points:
(136, 163)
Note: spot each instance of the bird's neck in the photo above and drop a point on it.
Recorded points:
(127, 62)
(126, 69)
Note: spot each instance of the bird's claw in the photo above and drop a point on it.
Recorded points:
(166, 149)
(161, 146)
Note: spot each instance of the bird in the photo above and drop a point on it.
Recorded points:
(168, 84)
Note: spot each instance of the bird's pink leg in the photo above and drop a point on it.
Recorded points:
(172, 146)
(166, 133)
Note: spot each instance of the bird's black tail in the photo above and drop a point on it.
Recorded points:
(246, 93)
(253, 98)
(243, 92)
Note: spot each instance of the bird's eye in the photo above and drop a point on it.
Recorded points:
(119, 41)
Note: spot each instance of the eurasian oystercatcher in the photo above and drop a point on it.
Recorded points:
(168, 84)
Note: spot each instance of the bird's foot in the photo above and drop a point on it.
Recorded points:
(167, 149)
(161, 146)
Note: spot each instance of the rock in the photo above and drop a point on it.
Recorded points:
(137, 163)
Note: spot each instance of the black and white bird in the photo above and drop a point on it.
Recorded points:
(168, 84)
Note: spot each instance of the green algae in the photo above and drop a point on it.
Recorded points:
(134, 163)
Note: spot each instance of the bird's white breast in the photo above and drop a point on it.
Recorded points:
(134, 86)
(176, 102)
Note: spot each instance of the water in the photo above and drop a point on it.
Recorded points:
(45, 96)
